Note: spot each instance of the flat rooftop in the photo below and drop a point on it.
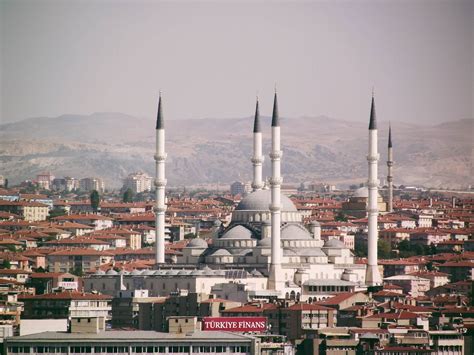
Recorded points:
(125, 336)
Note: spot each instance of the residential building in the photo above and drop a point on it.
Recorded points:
(66, 304)
(138, 182)
(83, 260)
(92, 183)
(44, 180)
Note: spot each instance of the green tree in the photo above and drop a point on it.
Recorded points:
(189, 236)
(95, 200)
(128, 195)
(360, 249)
(77, 271)
(6, 264)
(57, 211)
(340, 217)
(384, 249)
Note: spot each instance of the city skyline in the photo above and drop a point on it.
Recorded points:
(324, 57)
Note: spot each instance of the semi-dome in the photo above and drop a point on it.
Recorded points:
(221, 252)
(295, 232)
(237, 232)
(266, 242)
(197, 243)
(260, 201)
(334, 243)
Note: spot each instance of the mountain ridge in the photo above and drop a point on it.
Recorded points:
(112, 145)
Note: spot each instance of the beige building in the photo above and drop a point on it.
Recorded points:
(78, 259)
(357, 204)
(30, 211)
(67, 304)
(138, 182)
(412, 285)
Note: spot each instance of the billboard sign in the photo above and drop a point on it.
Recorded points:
(235, 324)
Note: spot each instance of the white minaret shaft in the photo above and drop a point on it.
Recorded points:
(389, 171)
(160, 183)
(372, 277)
(257, 158)
(275, 279)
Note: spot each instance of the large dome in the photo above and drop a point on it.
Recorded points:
(260, 201)
(237, 232)
(363, 192)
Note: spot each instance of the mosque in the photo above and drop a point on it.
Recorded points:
(266, 243)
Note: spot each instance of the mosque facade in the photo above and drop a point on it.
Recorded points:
(266, 246)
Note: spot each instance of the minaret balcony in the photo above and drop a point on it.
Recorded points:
(389, 163)
(160, 209)
(372, 210)
(372, 184)
(257, 160)
(276, 181)
(160, 157)
(274, 208)
(160, 182)
(373, 158)
(276, 154)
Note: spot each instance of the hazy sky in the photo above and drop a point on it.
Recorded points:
(210, 58)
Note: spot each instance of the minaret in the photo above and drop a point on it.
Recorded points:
(275, 281)
(160, 183)
(372, 276)
(257, 158)
(389, 172)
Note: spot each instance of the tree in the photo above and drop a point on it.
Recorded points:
(6, 264)
(189, 236)
(77, 271)
(360, 248)
(128, 195)
(57, 211)
(340, 217)
(5, 184)
(95, 200)
(384, 249)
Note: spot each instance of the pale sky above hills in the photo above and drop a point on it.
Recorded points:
(210, 58)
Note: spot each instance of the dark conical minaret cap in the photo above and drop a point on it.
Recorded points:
(373, 119)
(390, 136)
(275, 117)
(160, 124)
(256, 123)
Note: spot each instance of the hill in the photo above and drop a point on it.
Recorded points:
(112, 145)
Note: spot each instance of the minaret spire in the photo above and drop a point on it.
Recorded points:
(257, 158)
(160, 183)
(373, 119)
(275, 281)
(275, 115)
(372, 276)
(389, 170)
